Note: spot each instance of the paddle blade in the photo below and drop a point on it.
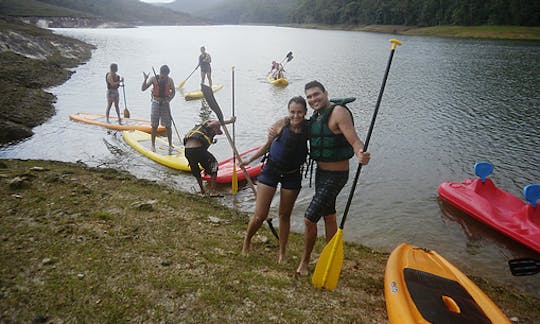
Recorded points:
(524, 266)
(328, 268)
(211, 100)
(126, 113)
(181, 85)
(234, 181)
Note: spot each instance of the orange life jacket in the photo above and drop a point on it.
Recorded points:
(162, 88)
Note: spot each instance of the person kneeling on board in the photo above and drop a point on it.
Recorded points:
(196, 142)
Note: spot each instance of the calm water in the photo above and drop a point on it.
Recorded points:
(448, 103)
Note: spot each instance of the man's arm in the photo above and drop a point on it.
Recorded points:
(173, 90)
(345, 125)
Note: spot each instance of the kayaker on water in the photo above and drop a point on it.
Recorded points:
(162, 93)
(113, 81)
(333, 141)
(276, 70)
(206, 68)
(287, 148)
(196, 142)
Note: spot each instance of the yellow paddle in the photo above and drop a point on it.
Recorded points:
(328, 268)
(181, 85)
(234, 181)
(126, 111)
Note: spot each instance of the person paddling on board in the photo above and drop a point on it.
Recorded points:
(162, 93)
(287, 149)
(206, 68)
(333, 141)
(196, 143)
(113, 81)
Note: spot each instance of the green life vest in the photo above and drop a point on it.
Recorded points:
(325, 146)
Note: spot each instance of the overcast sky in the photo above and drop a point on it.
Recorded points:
(156, 1)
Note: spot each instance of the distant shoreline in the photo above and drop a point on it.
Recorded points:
(481, 32)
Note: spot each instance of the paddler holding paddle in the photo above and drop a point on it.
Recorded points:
(113, 81)
(162, 93)
(333, 141)
(196, 142)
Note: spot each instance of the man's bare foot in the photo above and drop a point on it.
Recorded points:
(119, 121)
(303, 269)
(153, 148)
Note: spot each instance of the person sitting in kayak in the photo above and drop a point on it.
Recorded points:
(162, 93)
(196, 142)
(276, 71)
(287, 148)
(113, 81)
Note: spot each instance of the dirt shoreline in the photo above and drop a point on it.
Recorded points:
(81, 244)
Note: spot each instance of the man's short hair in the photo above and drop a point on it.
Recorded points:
(314, 84)
(164, 70)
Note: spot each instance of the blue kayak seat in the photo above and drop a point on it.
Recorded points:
(483, 169)
(532, 193)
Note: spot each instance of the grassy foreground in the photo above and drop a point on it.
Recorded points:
(79, 244)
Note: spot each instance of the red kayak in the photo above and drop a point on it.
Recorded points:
(225, 170)
(497, 208)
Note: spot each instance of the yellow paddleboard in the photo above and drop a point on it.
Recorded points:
(420, 286)
(142, 142)
(197, 94)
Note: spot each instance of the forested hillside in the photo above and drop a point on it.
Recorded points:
(418, 12)
(125, 11)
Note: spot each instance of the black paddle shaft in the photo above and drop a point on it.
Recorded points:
(368, 137)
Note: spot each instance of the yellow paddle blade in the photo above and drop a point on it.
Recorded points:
(126, 113)
(328, 268)
(181, 85)
(234, 183)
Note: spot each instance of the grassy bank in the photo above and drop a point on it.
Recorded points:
(486, 32)
(95, 245)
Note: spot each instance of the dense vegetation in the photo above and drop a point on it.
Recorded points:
(126, 11)
(418, 12)
(250, 11)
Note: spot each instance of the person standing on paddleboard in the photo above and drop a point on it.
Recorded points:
(333, 141)
(206, 68)
(113, 81)
(287, 153)
(162, 93)
(196, 143)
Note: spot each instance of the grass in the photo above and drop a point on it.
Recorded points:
(79, 244)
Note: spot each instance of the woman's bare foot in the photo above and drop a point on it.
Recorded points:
(245, 249)
(303, 269)
(281, 259)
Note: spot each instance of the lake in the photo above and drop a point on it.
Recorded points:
(448, 103)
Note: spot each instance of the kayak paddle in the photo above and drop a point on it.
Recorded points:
(524, 266)
(212, 103)
(126, 111)
(234, 180)
(181, 85)
(328, 268)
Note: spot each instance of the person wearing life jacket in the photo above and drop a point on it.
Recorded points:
(113, 81)
(162, 93)
(287, 151)
(206, 69)
(196, 143)
(333, 141)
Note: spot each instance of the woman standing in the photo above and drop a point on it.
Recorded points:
(287, 150)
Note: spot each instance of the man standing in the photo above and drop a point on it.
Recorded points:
(206, 69)
(333, 141)
(162, 93)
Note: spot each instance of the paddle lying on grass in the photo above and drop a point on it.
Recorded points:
(170, 113)
(181, 85)
(328, 267)
(234, 180)
(524, 266)
(212, 103)
(126, 111)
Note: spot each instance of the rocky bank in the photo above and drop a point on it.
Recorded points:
(32, 59)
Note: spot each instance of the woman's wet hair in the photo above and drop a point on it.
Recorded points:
(299, 100)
